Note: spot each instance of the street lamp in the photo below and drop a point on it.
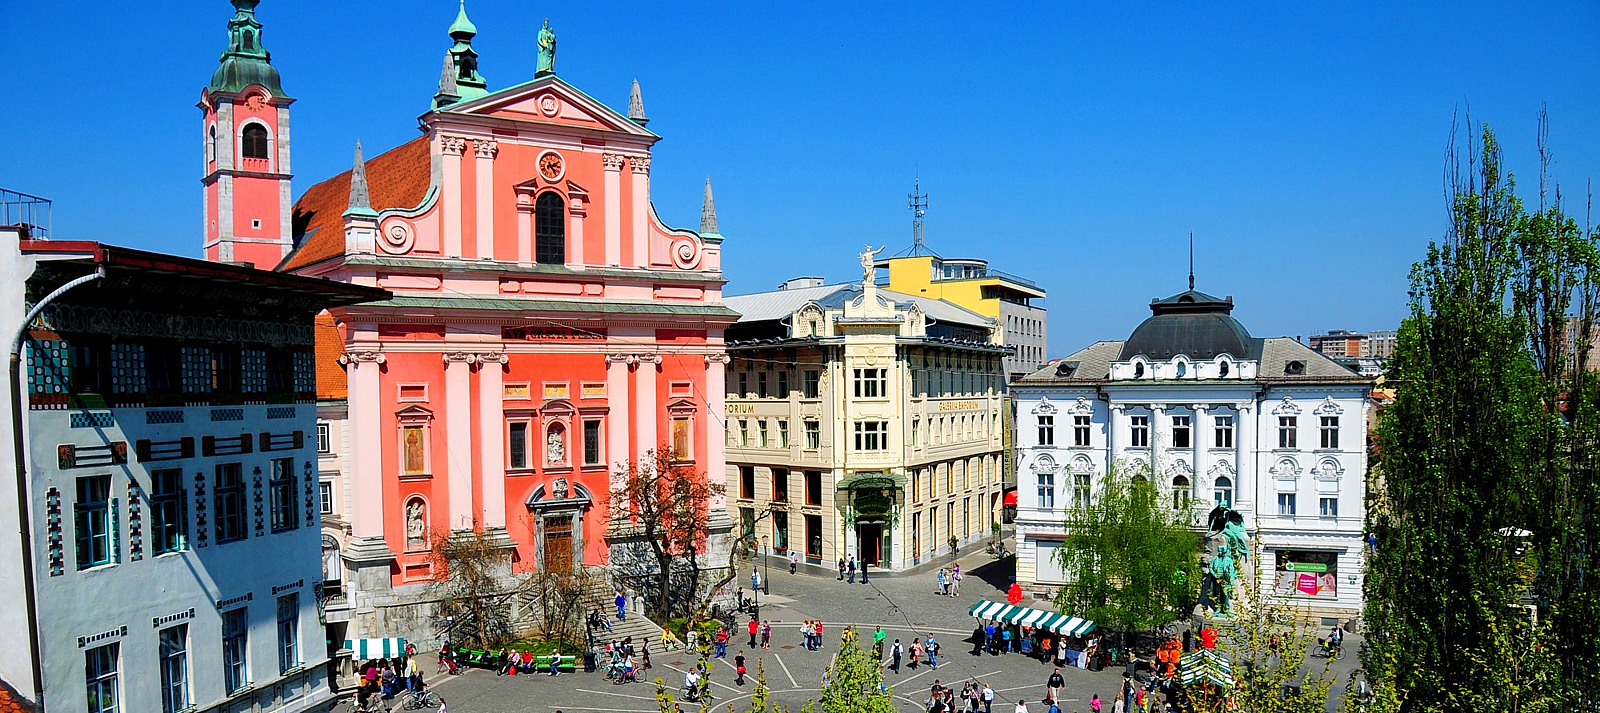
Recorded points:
(764, 557)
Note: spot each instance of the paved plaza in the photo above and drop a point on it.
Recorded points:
(905, 605)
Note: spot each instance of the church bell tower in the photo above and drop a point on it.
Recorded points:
(245, 134)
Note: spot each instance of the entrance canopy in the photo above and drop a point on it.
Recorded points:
(872, 481)
(1002, 613)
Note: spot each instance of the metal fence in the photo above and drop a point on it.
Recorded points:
(29, 212)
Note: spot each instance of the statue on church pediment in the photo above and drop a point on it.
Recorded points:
(547, 50)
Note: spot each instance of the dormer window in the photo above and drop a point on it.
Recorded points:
(1222, 368)
(1295, 368)
(254, 144)
(1183, 369)
(1138, 370)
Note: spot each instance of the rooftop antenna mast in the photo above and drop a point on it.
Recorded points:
(1191, 260)
(917, 201)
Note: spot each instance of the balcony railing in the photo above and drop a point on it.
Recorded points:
(28, 212)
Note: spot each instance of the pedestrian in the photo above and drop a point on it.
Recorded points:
(738, 599)
(863, 571)
(442, 710)
(413, 674)
(1053, 685)
(817, 642)
(766, 634)
(1061, 652)
(1005, 639)
(722, 642)
(738, 668)
(988, 698)
(622, 606)
(755, 628)
(794, 561)
(851, 569)
(916, 653)
(989, 641)
(955, 580)
(645, 652)
(894, 657)
(1094, 703)
(933, 652)
(841, 569)
(755, 581)
(878, 636)
(1051, 706)
(942, 586)
(1022, 706)
(555, 663)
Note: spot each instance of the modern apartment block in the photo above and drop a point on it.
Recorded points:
(1012, 301)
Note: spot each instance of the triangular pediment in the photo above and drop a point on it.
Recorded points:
(549, 100)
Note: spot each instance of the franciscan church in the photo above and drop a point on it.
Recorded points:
(1214, 416)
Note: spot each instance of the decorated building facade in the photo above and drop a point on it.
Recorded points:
(863, 423)
(546, 326)
(1213, 416)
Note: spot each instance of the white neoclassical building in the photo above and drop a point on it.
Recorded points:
(1266, 425)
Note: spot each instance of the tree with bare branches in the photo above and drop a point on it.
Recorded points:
(474, 586)
(660, 512)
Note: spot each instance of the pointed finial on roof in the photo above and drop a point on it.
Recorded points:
(360, 197)
(636, 106)
(708, 212)
(448, 92)
(1191, 259)
(462, 25)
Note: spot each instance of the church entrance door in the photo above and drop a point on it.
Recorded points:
(558, 544)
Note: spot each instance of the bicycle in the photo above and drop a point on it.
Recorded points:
(1327, 649)
(417, 700)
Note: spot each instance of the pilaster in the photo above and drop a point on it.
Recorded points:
(646, 403)
(491, 420)
(613, 212)
(366, 441)
(457, 435)
(618, 426)
(450, 194)
(716, 461)
(640, 166)
(483, 192)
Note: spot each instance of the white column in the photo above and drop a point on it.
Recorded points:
(483, 191)
(645, 404)
(716, 460)
(450, 194)
(1244, 487)
(613, 214)
(641, 210)
(491, 427)
(1200, 432)
(366, 442)
(457, 434)
(618, 424)
(1114, 412)
(1159, 445)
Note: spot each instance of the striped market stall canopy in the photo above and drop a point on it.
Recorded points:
(361, 649)
(1205, 665)
(1003, 613)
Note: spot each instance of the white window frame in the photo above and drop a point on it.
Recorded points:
(1139, 431)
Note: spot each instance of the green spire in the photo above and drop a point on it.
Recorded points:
(246, 61)
(469, 84)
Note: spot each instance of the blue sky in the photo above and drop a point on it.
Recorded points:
(1074, 143)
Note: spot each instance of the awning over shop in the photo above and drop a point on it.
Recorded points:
(1010, 499)
(872, 481)
(1002, 613)
(1205, 665)
(375, 648)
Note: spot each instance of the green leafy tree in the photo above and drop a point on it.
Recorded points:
(1130, 559)
(855, 684)
(1483, 491)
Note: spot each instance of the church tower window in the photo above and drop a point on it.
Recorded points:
(550, 230)
(255, 141)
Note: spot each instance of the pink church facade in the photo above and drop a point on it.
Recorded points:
(546, 327)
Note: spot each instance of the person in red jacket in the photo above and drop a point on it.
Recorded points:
(755, 628)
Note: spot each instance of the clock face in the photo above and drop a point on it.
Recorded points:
(550, 166)
(256, 102)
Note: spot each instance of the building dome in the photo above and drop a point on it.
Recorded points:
(1194, 324)
(236, 73)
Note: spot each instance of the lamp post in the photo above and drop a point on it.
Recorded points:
(756, 613)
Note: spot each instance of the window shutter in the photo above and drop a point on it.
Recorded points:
(114, 533)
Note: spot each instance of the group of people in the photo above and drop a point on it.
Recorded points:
(621, 665)
(387, 678)
(811, 634)
(972, 698)
(847, 570)
(1048, 648)
(949, 579)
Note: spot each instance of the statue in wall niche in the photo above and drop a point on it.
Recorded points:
(416, 529)
(555, 447)
(558, 490)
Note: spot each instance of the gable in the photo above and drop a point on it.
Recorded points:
(548, 100)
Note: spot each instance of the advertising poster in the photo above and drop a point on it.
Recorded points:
(1307, 573)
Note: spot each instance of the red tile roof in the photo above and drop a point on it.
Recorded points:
(13, 702)
(397, 178)
(331, 383)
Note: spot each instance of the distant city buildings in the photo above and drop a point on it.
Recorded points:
(1339, 343)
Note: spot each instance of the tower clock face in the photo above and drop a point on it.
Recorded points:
(550, 166)
(255, 102)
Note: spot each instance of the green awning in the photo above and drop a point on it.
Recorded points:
(1032, 618)
(872, 481)
(1205, 665)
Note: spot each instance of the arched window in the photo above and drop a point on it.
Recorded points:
(211, 144)
(255, 141)
(1138, 370)
(249, 40)
(1180, 492)
(1222, 492)
(1222, 368)
(550, 230)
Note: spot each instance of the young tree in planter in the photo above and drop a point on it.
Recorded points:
(662, 507)
(1131, 561)
(855, 684)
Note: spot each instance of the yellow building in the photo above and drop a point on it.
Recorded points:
(970, 283)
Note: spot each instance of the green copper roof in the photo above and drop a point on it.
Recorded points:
(246, 61)
(462, 24)
(469, 84)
